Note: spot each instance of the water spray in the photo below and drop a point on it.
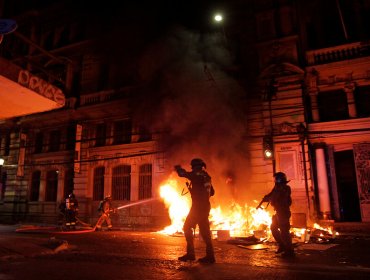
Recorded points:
(136, 203)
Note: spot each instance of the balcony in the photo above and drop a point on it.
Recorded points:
(337, 53)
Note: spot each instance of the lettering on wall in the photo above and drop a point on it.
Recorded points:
(40, 86)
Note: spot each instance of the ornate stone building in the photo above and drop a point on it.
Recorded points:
(305, 69)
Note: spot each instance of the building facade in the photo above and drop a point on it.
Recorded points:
(310, 104)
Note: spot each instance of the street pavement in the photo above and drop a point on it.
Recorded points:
(150, 255)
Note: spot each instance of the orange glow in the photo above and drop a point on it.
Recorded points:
(178, 205)
(238, 220)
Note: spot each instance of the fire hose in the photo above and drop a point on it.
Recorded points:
(48, 229)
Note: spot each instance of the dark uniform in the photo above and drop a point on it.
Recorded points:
(71, 209)
(280, 199)
(105, 207)
(200, 189)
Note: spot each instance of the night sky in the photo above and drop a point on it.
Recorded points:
(176, 50)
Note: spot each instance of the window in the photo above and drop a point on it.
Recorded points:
(121, 182)
(362, 100)
(71, 137)
(122, 131)
(35, 186)
(3, 176)
(98, 191)
(332, 105)
(7, 144)
(144, 134)
(68, 182)
(51, 185)
(38, 142)
(54, 141)
(145, 181)
(100, 135)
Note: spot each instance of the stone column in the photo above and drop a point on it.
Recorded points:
(322, 183)
(349, 90)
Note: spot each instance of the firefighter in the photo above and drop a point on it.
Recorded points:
(105, 207)
(71, 210)
(201, 190)
(280, 199)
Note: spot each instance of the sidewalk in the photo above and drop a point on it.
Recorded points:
(19, 245)
(353, 228)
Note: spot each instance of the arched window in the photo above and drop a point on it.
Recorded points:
(51, 185)
(121, 182)
(35, 186)
(145, 181)
(98, 191)
(68, 182)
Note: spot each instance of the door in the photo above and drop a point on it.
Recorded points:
(345, 170)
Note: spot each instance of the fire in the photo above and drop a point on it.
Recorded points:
(238, 220)
(178, 206)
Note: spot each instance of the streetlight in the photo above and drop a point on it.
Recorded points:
(219, 19)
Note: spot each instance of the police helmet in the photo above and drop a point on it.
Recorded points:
(197, 162)
(280, 177)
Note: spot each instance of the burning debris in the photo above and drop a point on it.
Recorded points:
(236, 224)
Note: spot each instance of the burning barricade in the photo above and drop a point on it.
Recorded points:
(235, 224)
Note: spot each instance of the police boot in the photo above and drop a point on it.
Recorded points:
(207, 259)
(280, 250)
(190, 253)
(187, 257)
(288, 254)
(210, 255)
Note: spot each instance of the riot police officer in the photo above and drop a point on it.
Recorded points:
(201, 190)
(280, 199)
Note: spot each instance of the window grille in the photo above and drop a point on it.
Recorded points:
(51, 185)
(121, 182)
(145, 181)
(35, 186)
(98, 191)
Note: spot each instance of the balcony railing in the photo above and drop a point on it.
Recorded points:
(104, 96)
(337, 53)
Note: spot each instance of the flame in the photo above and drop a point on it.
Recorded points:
(238, 220)
(178, 206)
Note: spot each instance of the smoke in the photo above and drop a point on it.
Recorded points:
(198, 105)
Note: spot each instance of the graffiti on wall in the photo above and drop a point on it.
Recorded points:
(40, 86)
